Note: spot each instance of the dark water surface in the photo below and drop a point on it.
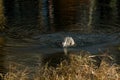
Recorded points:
(34, 50)
(26, 23)
(62, 15)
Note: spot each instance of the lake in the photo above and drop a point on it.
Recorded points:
(33, 29)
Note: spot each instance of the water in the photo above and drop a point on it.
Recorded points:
(22, 20)
(2, 61)
(48, 45)
(62, 15)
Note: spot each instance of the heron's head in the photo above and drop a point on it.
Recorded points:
(68, 41)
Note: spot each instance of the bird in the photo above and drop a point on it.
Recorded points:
(68, 42)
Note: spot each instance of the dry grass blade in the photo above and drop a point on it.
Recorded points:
(78, 68)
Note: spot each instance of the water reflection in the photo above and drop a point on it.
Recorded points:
(2, 61)
(118, 5)
(2, 55)
(2, 17)
(106, 14)
(72, 14)
(65, 12)
(21, 15)
(43, 16)
(59, 15)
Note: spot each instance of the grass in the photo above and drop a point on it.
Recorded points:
(77, 67)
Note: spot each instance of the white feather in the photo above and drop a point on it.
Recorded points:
(68, 41)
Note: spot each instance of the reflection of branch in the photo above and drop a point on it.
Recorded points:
(50, 6)
(92, 3)
(107, 25)
(51, 15)
(2, 17)
(111, 28)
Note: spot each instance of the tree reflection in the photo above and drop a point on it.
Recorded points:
(106, 14)
(2, 61)
(65, 12)
(60, 15)
(2, 17)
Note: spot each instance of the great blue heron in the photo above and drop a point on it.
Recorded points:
(68, 41)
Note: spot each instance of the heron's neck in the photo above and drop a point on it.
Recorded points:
(65, 50)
